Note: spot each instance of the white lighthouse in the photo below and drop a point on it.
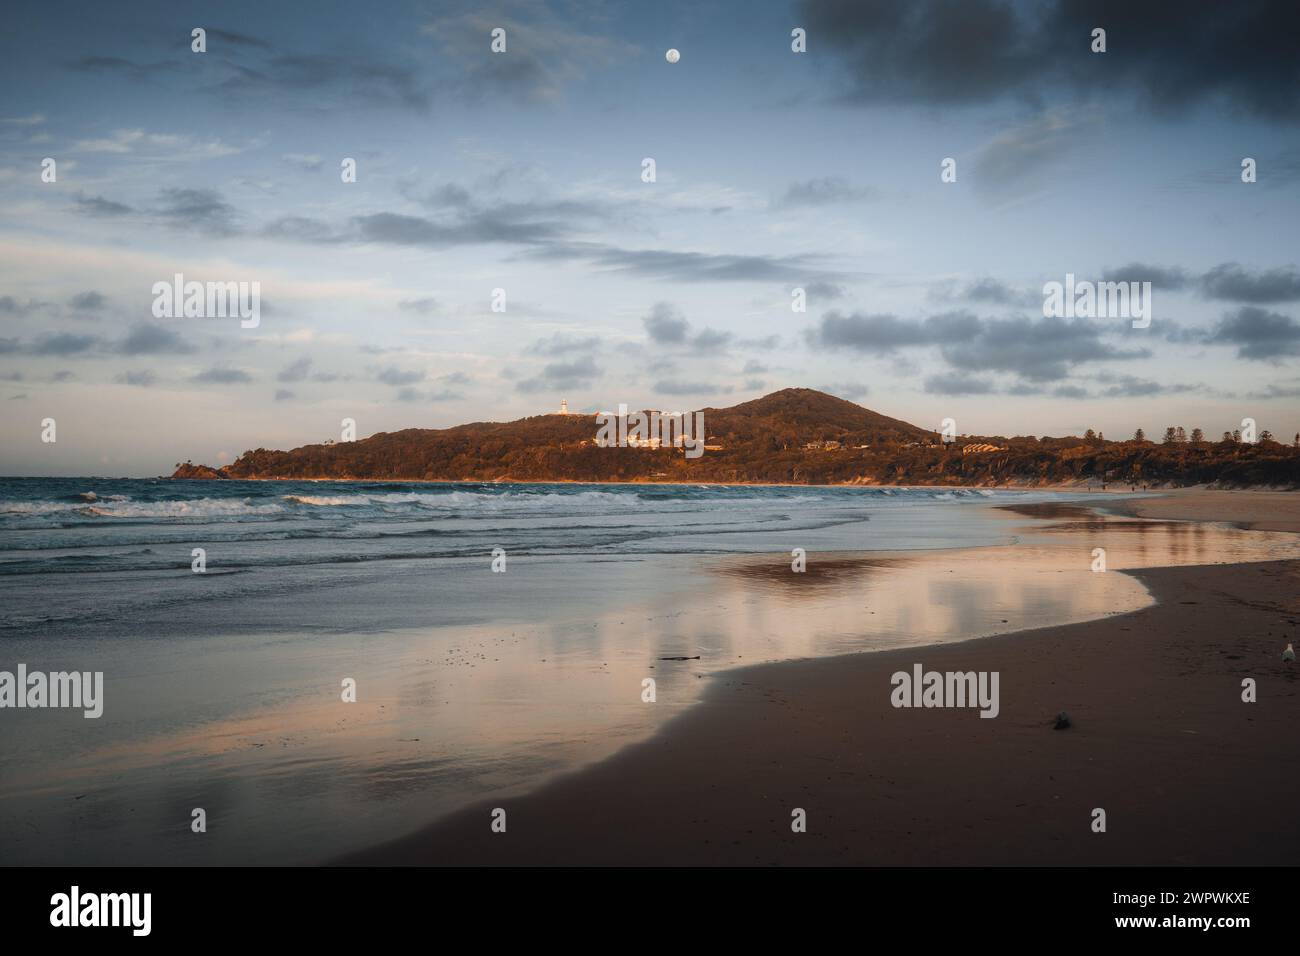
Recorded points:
(564, 406)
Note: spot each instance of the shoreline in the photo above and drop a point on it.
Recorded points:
(1187, 772)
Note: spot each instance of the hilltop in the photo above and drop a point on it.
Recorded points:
(796, 435)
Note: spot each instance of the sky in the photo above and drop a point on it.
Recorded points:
(523, 171)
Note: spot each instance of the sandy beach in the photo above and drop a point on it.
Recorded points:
(1160, 738)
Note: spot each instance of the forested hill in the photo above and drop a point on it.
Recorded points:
(796, 435)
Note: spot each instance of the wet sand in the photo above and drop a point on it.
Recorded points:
(1187, 773)
(1256, 510)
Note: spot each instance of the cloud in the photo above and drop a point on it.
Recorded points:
(147, 338)
(100, 207)
(885, 333)
(143, 378)
(89, 301)
(238, 39)
(1171, 280)
(959, 53)
(546, 52)
(1130, 386)
(308, 161)
(577, 374)
(422, 306)
(1069, 391)
(677, 387)
(1258, 334)
(296, 371)
(320, 77)
(678, 266)
(824, 191)
(222, 375)
(1039, 349)
(821, 289)
(392, 375)
(202, 210)
(283, 395)
(958, 383)
(562, 343)
(665, 324)
(710, 341)
(122, 67)
(63, 343)
(1021, 161)
(1231, 282)
(849, 390)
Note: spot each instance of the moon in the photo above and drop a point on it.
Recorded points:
(672, 56)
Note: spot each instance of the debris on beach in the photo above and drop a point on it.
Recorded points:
(695, 658)
(1062, 721)
(1288, 655)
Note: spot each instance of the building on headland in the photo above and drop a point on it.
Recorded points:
(564, 406)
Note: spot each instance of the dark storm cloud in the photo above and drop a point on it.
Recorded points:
(1258, 334)
(578, 373)
(1168, 59)
(1233, 283)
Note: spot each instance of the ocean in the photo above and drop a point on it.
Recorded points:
(224, 690)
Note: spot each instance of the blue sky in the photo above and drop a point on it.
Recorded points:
(522, 171)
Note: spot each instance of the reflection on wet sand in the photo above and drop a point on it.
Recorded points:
(446, 716)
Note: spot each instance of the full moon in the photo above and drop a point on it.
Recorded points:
(672, 56)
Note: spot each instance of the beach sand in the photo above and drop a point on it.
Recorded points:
(1187, 773)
